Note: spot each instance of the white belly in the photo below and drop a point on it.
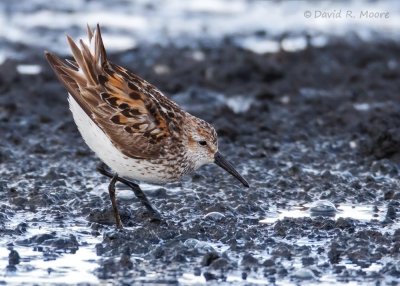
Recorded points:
(98, 141)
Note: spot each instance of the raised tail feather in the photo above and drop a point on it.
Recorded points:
(84, 71)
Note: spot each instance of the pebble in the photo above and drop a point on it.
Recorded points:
(323, 208)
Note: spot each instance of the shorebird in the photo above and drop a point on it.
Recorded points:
(134, 129)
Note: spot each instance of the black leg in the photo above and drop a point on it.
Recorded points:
(101, 168)
(111, 191)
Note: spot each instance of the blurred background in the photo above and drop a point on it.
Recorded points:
(304, 96)
(260, 26)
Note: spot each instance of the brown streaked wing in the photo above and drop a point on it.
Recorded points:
(137, 83)
(129, 116)
(124, 106)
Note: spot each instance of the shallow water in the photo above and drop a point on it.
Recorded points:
(29, 69)
(47, 264)
(357, 212)
(44, 264)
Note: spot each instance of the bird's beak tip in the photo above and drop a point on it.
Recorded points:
(220, 161)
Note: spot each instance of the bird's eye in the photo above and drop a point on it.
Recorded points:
(202, 143)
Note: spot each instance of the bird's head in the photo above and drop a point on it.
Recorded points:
(203, 148)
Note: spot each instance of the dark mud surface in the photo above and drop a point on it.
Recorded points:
(318, 124)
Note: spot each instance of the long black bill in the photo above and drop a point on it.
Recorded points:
(220, 161)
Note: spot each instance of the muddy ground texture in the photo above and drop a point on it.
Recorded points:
(321, 124)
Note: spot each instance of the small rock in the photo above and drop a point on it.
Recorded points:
(388, 195)
(334, 253)
(303, 274)
(125, 261)
(209, 258)
(391, 212)
(307, 261)
(201, 246)
(323, 208)
(214, 216)
(283, 251)
(219, 263)
(249, 260)
(11, 268)
(268, 263)
(13, 257)
(209, 276)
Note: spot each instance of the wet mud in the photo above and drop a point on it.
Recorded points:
(315, 132)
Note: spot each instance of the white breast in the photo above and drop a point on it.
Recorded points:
(98, 141)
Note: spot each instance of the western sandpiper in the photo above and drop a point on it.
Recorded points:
(132, 127)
